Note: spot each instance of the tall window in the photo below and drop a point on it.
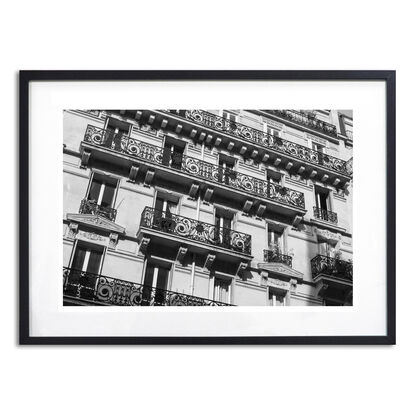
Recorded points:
(274, 180)
(114, 131)
(322, 198)
(230, 116)
(222, 290)
(223, 227)
(276, 298)
(317, 147)
(173, 153)
(165, 206)
(326, 249)
(273, 133)
(156, 279)
(164, 209)
(87, 257)
(226, 168)
(276, 240)
(117, 126)
(102, 190)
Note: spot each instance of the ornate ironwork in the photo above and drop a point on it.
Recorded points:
(93, 208)
(194, 167)
(306, 118)
(326, 215)
(104, 290)
(333, 267)
(349, 166)
(274, 256)
(196, 230)
(267, 140)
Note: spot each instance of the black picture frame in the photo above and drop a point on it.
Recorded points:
(388, 76)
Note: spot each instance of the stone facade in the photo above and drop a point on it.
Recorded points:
(241, 207)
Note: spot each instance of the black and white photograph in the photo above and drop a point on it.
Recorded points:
(218, 207)
(206, 207)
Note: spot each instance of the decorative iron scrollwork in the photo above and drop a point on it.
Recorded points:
(273, 256)
(273, 141)
(307, 119)
(326, 215)
(333, 267)
(196, 230)
(195, 167)
(100, 289)
(93, 208)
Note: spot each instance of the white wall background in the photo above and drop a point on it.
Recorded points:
(209, 35)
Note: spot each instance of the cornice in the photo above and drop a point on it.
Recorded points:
(95, 221)
(280, 269)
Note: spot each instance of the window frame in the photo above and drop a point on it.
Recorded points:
(82, 242)
(102, 190)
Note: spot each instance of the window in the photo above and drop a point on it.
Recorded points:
(322, 199)
(230, 116)
(165, 205)
(222, 290)
(276, 298)
(223, 227)
(173, 153)
(114, 131)
(87, 257)
(164, 209)
(317, 147)
(117, 126)
(274, 180)
(326, 249)
(276, 241)
(155, 283)
(226, 171)
(102, 190)
(273, 133)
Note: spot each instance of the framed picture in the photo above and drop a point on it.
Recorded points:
(259, 208)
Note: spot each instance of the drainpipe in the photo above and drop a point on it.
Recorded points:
(202, 153)
(192, 278)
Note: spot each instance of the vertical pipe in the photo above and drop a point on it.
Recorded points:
(198, 208)
(192, 278)
(155, 277)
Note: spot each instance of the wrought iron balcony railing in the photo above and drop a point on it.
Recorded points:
(333, 267)
(262, 138)
(93, 208)
(194, 167)
(307, 119)
(274, 256)
(103, 290)
(195, 230)
(326, 215)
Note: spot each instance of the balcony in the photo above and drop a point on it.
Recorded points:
(93, 208)
(306, 119)
(84, 288)
(333, 278)
(272, 142)
(277, 257)
(333, 267)
(283, 200)
(196, 231)
(325, 215)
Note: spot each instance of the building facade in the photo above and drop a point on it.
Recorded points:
(206, 208)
